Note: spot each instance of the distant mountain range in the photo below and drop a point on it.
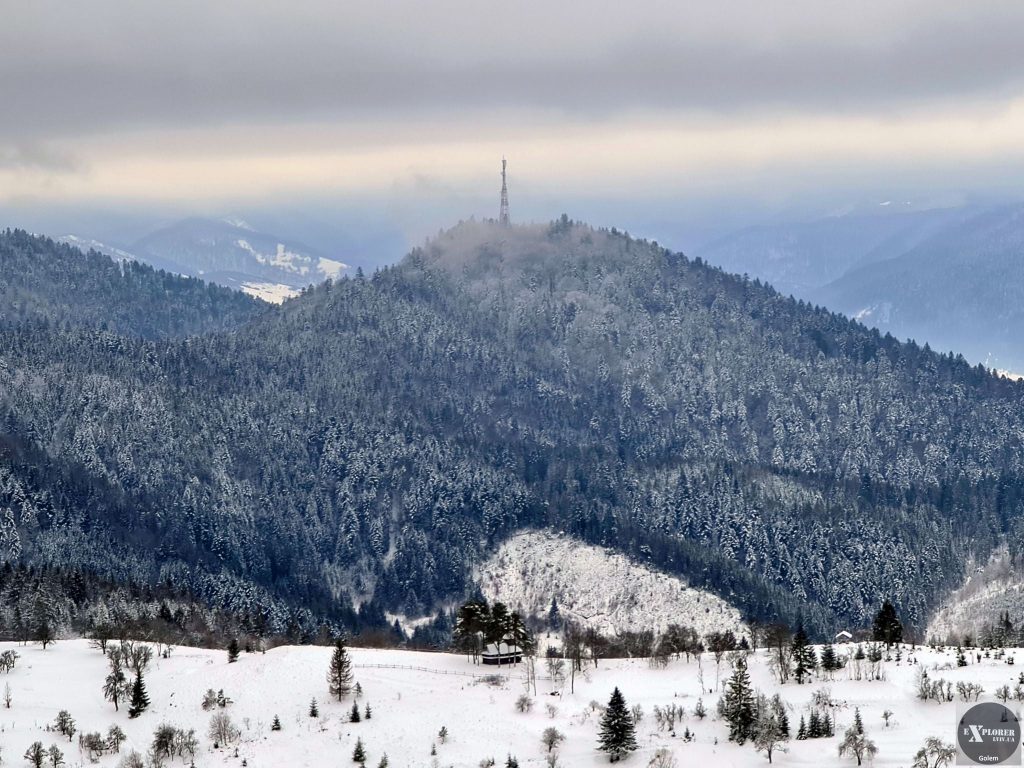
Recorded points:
(953, 278)
(228, 252)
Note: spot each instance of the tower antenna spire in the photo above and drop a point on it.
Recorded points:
(503, 212)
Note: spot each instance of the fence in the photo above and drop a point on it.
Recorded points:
(411, 668)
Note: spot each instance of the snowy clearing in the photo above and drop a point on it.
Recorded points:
(413, 695)
(273, 293)
(597, 588)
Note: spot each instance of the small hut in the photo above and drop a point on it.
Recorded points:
(502, 653)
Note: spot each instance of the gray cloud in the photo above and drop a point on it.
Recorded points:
(69, 70)
(33, 156)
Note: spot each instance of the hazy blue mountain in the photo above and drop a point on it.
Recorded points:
(797, 258)
(960, 289)
(228, 252)
(232, 253)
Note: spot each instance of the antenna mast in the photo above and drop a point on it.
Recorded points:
(503, 213)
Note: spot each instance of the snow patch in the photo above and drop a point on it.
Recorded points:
(598, 588)
(290, 261)
(274, 293)
(880, 313)
(86, 244)
(331, 268)
(238, 223)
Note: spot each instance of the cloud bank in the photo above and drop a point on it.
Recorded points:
(120, 99)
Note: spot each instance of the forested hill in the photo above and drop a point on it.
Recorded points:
(372, 439)
(42, 280)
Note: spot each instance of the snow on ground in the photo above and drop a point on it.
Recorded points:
(988, 591)
(238, 223)
(274, 293)
(290, 261)
(413, 695)
(86, 244)
(331, 268)
(596, 587)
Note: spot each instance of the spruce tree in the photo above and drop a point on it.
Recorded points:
(339, 675)
(140, 699)
(858, 724)
(368, 713)
(359, 753)
(814, 725)
(511, 762)
(383, 761)
(618, 731)
(887, 627)
(829, 660)
(699, 711)
(233, 651)
(803, 655)
(314, 710)
(354, 716)
(554, 614)
(801, 733)
(276, 725)
(738, 704)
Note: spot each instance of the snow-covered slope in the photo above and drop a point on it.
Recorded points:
(86, 244)
(413, 695)
(227, 252)
(989, 590)
(275, 293)
(596, 587)
(230, 252)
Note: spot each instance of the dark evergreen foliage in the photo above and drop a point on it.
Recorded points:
(339, 675)
(804, 659)
(617, 735)
(737, 705)
(762, 448)
(887, 627)
(42, 280)
(830, 661)
(140, 699)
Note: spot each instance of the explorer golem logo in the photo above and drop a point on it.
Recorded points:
(988, 733)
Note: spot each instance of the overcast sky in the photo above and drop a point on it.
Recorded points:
(201, 102)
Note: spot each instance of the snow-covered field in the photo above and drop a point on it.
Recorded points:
(597, 588)
(274, 293)
(413, 695)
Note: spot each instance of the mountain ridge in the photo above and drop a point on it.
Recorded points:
(372, 440)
